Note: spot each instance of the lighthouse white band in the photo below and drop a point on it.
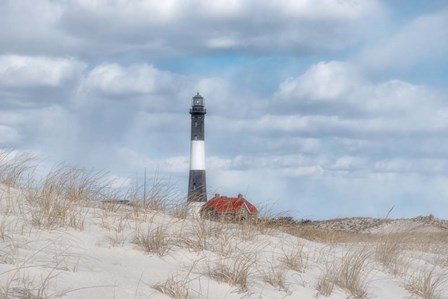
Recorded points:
(197, 155)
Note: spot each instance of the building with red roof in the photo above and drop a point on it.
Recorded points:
(229, 207)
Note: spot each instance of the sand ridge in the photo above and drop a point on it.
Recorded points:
(381, 225)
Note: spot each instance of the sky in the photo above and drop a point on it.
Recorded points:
(316, 108)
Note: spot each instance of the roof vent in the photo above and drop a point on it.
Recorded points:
(240, 195)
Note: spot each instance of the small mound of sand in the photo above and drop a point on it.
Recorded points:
(382, 225)
(420, 224)
(352, 225)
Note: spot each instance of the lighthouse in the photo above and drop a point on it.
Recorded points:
(197, 188)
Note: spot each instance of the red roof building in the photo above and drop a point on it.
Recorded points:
(234, 207)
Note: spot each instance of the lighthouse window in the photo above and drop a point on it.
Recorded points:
(194, 186)
(195, 124)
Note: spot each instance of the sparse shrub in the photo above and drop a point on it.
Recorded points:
(349, 273)
(388, 249)
(7, 252)
(160, 195)
(50, 210)
(180, 210)
(234, 271)
(226, 245)
(326, 281)
(294, 259)
(153, 240)
(118, 236)
(77, 184)
(111, 205)
(203, 234)
(276, 277)
(59, 199)
(427, 284)
(387, 252)
(143, 212)
(22, 286)
(14, 166)
(176, 289)
(10, 206)
(248, 231)
(3, 228)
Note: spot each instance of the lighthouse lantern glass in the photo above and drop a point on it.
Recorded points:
(198, 101)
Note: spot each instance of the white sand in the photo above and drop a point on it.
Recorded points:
(101, 260)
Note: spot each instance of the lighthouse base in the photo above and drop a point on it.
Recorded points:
(194, 209)
(197, 190)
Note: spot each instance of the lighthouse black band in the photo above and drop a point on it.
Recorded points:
(197, 126)
(197, 189)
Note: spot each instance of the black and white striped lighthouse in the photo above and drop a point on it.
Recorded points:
(197, 188)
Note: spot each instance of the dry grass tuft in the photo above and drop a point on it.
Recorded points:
(50, 210)
(22, 286)
(234, 271)
(294, 259)
(176, 289)
(160, 195)
(60, 199)
(387, 252)
(249, 230)
(4, 227)
(8, 250)
(14, 167)
(155, 241)
(10, 206)
(427, 284)
(276, 277)
(226, 245)
(118, 235)
(326, 281)
(180, 210)
(349, 274)
(203, 234)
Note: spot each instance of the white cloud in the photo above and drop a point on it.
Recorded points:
(9, 136)
(342, 88)
(29, 71)
(117, 81)
(324, 186)
(12, 117)
(328, 9)
(32, 29)
(421, 40)
(167, 166)
(173, 27)
(222, 43)
(325, 81)
(391, 127)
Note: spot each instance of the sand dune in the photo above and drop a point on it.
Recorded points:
(57, 245)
